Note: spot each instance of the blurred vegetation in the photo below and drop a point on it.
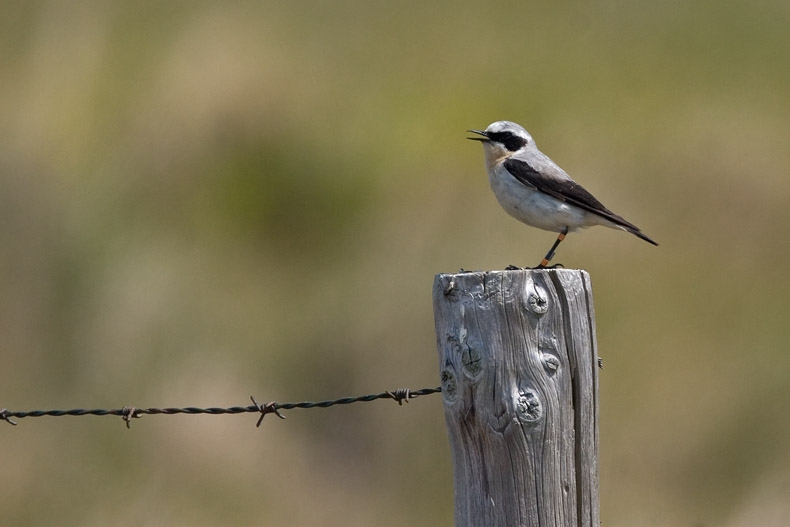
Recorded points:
(199, 201)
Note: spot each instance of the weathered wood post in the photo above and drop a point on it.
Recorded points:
(519, 374)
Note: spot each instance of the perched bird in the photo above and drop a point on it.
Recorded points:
(534, 190)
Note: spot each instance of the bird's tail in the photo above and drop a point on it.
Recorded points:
(640, 234)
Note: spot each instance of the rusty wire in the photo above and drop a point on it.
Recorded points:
(402, 395)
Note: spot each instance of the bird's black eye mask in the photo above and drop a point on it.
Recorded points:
(510, 141)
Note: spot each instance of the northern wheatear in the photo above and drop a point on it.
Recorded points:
(534, 190)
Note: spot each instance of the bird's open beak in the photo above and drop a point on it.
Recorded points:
(479, 132)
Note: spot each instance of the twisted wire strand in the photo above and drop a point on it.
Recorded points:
(128, 413)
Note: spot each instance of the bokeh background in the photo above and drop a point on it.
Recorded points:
(201, 201)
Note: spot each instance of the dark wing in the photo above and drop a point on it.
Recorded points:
(564, 190)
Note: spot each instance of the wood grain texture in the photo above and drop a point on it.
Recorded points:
(518, 363)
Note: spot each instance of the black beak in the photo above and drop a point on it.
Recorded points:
(479, 132)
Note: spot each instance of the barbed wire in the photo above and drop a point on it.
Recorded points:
(402, 395)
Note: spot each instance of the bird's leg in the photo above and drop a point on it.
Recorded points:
(549, 255)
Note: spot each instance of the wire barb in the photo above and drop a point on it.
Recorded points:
(128, 413)
(268, 408)
(401, 395)
(4, 417)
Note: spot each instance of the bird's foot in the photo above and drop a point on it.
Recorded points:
(544, 266)
(539, 266)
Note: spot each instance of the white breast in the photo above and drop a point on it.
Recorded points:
(534, 208)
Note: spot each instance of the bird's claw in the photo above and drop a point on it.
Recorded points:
(539, 266)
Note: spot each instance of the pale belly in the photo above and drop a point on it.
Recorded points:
(540, 210)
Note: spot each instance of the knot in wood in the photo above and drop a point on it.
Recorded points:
(537, 301)
(469, 349)
(529, 409)
(472, 361)
(550, 362)
(449, 386)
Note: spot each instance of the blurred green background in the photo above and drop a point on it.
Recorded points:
(203, 201)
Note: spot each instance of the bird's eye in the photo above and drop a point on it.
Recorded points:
(509, 140)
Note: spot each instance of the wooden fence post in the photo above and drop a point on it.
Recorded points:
(519, 374)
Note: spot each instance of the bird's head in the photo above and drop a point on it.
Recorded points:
(503, 139)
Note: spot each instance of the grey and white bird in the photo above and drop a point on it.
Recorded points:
(534, 190)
